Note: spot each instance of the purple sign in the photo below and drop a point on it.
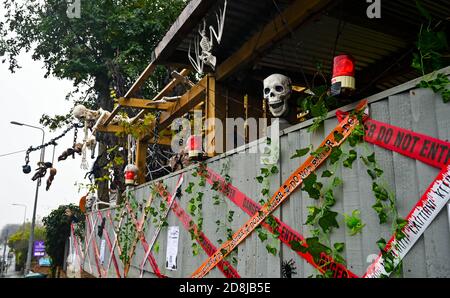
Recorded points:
(39, 249)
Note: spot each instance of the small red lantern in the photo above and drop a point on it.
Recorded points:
(130, 174)
(343, 81)
(194, 146)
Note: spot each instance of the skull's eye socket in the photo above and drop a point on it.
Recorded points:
(279, 88)
(266, 91)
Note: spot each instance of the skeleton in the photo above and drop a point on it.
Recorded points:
(95, 118)
(277, 91)
(203, 44)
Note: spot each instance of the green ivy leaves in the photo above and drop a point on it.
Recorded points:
(354, 222)
(439, 85)
(352, 155)
(313, 247)
(328, 220)
(301, 152)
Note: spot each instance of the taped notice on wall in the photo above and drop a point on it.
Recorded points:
(102, 251)
(173, 234)
(420, 217)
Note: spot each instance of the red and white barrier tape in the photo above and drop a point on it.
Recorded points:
(91, 226)
(201, 238)
(429, 150)
(111, 249)
(144, 243)
(420, 217)
(158, 229)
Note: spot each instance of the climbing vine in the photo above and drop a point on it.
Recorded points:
(323, 219)
(432, 53)
(195, 206)
(266, 172)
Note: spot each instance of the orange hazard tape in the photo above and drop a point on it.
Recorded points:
(311, 164)
(287, 234)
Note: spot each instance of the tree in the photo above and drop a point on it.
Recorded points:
(19, 242)
(8, 230)
(107, 47)
(57, 225)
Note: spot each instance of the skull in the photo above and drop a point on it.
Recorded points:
(277, 91)
(82, 113)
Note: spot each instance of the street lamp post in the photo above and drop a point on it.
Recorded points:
(24, 215)
(31, 239)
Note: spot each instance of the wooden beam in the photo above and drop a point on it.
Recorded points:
(292, 17)
(164, 140)
(113, 114)
(144, 104)
(215, 109)
(168, 88)
(187, 102)
(141, 160)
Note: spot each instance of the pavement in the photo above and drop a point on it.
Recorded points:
(9, 272)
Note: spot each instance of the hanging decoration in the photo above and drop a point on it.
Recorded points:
(76, 147)
(41, 171)
(277, 91)
(343, 80)
(53, 171)
(131, 170)
(84, 164)
(194, 147)
(204, 44)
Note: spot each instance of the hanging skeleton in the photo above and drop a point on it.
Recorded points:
(203, 44)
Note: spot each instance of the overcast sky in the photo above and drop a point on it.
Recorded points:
(25, 96)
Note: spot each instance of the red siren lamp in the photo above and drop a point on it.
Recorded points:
(343, 81)
(130, 174)
(194, 146)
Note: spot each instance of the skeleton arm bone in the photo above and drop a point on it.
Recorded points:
(220, 25)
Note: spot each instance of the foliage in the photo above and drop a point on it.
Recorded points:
(354, 222)
(57, 226)
(433, 52)
(439, 85)
(18, 242)
(108, 46)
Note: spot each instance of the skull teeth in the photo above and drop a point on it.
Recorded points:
(276, 105)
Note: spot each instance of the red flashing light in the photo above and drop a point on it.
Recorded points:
(344, 65)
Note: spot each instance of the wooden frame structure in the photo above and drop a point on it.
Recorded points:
(207, 89)
(202, 92)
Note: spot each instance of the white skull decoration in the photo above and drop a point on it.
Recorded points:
(277, 91)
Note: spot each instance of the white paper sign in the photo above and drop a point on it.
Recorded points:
(173, 234)
(102, 251)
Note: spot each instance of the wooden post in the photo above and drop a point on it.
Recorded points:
(215, 109)
(141, 160)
